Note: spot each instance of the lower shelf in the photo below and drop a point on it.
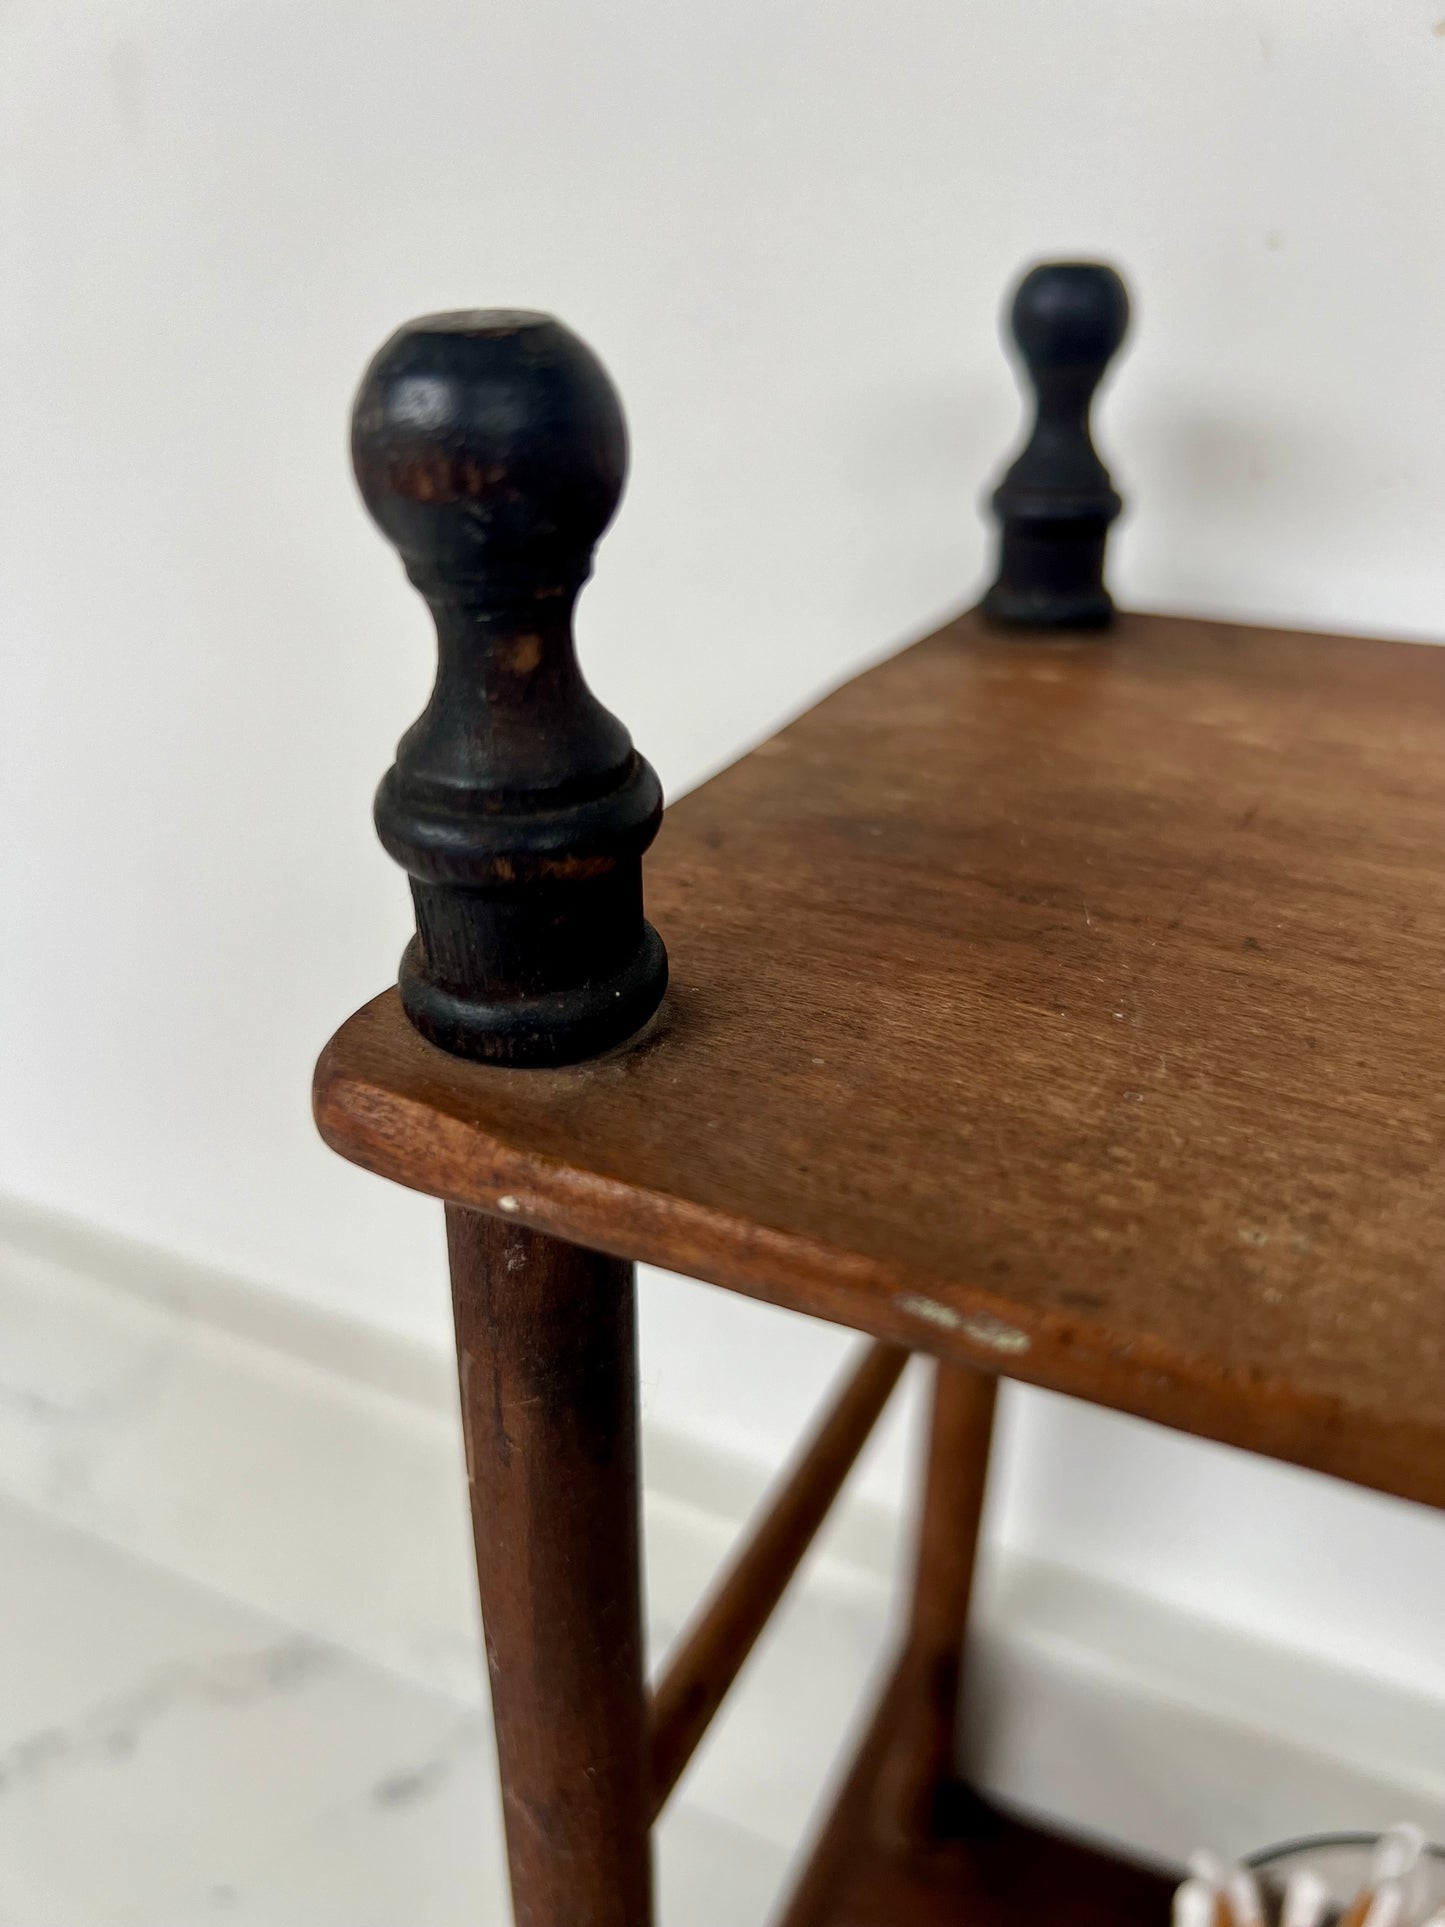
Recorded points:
(977, 1867)
(998, 1872)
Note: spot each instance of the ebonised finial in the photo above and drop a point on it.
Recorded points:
(491, 449)
(1055, 504)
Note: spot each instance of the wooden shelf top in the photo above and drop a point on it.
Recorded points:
(1071, 1007)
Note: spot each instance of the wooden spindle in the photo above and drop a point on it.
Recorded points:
(921, 1768)
(714, 1648)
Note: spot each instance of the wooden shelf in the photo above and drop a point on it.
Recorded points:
(1070, 1007)
(979, 1867)
(1002, 1873)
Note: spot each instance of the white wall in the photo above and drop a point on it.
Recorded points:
(787, 229)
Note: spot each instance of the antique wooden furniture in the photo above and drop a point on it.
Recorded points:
(1060, 999)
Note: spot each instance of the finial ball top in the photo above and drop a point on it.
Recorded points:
(1069, 313)
(489, 445)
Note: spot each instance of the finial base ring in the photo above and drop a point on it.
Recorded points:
(545, 1031)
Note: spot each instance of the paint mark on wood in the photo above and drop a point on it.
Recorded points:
(992, 1333)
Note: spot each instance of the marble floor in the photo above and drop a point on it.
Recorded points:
(240, 1673)
(170, 1758)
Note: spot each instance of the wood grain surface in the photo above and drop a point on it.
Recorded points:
(1068, 1007)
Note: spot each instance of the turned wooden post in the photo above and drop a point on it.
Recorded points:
(1056, 503)
(491, 449)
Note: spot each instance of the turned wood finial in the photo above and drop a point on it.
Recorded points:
(1055, 504)
(490, 449)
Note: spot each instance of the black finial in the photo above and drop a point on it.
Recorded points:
(490, 449)
(1056, 503)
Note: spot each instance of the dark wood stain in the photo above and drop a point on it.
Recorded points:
(490, 449)
(1055, 504)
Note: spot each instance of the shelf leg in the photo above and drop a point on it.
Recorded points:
(920, 1766)
(547, 1356)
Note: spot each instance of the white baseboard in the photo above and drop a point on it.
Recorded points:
(311, 1468)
